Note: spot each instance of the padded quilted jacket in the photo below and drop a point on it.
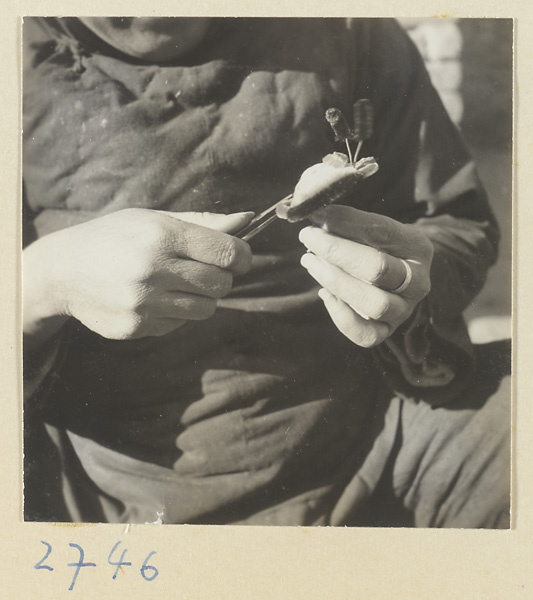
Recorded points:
(263, 413)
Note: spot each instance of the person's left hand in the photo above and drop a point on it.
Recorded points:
(373, 270)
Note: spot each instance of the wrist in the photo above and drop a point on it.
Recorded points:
(44, 297)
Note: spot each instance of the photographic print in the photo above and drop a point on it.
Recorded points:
(267, 271)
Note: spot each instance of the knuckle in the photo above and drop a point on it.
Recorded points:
(384, 232)
(328, 251)
(227, 253)
(235, 255)
(139, 270)
(140, 223)
(378, 268)
(153, 236)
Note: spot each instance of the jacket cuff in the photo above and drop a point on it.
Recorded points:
(425, 360)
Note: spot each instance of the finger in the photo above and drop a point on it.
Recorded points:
(367, 300)
(203, 244)
(360, 331)
(182, 275)
(364, 262)
(179, 305)
(386, 234)
(224, 223)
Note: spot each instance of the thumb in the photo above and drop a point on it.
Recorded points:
(374, 230)
(225, 223)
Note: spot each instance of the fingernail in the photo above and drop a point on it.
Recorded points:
(303, 236)
(308, 260)
(307, 234)
(323, 294)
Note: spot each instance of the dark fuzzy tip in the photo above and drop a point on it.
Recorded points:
(339, 125)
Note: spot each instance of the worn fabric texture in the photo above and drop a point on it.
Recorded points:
(265, 412)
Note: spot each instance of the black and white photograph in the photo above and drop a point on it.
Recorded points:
(267, 271)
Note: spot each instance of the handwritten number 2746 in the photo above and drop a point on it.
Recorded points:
(148, 571)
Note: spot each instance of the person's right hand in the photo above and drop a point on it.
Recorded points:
(135, 272)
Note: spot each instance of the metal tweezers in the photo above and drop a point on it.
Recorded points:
(261, 221)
